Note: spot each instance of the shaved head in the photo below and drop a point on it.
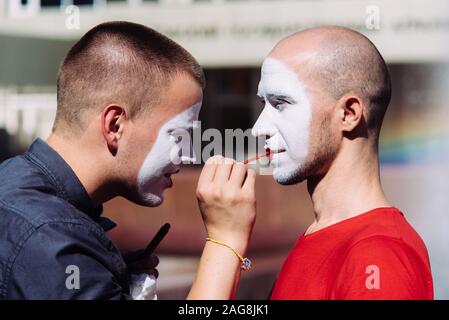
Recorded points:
(340, 61)
(325, 92)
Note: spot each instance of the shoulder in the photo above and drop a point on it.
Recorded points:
(28, 196)
(43, 220)
(387, 226)
(384, 267)
(383, 248)
(15, 170)
(42, 260)
(27, 210)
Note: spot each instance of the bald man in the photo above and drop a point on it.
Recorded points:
(325, 92)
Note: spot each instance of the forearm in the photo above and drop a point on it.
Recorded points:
(218, 273)
(227, 203)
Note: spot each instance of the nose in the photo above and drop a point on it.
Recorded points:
(188, 157)
(182, 149)
(186, 151)
(264, 125)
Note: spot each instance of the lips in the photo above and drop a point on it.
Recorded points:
(274, 151)
(168, 176)
(275, 145)
(172, 170)
(170, 182)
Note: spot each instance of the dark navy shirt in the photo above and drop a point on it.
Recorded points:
(52, 238)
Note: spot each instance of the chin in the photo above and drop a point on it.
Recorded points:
(288, 177)
(153, 200)
(151, 194)
(147, 200)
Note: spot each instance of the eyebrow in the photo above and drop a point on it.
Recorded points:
(186, 127)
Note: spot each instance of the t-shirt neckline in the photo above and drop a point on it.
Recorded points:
(351, 219)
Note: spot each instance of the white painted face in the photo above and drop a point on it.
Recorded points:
(285, 119)
(172, 146)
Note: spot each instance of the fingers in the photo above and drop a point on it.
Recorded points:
(154, 260)
(207, 176)
(227, 202)
(208, 172)
(152, 272)
(238, 174)
(250, 181)
(151, 263)
(149, 266)
(148, 263)
(130, 257)
(224, 176)
(224, 171)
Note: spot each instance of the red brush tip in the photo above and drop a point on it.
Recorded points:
(266, 154)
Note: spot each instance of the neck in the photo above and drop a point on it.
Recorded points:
(351, 186)
(86, 165)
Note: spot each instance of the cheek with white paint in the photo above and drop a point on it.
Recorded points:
(165, 156)
(286, 124)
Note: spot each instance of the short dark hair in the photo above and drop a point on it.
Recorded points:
(120, 62)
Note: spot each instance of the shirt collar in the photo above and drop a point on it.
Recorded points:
(65, 181)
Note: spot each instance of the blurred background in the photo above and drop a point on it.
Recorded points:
(230, 38)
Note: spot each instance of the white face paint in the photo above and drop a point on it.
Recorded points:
(172, 146)
(285, 119)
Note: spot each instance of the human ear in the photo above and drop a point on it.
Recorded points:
(350, 109)
(112, 119)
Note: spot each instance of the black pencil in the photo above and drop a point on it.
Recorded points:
(160, 235)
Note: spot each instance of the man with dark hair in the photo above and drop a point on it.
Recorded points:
(325, 92)
(137, 63)
(127, 96)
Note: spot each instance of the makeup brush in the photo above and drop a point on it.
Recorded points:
(266, 154)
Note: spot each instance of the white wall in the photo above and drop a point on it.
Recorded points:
(241, 33)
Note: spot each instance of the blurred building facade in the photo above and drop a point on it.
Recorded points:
(230, 39)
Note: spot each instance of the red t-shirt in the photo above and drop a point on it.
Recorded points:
(375, 255)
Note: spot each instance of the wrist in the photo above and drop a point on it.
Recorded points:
(237, 241)
(238, 252)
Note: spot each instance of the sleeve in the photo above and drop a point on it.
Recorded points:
(383, 268)
(65, 261)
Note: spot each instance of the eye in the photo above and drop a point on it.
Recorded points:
(174, 136)
(280, 103)
(279, 106)
(284, 101)
(176, 139)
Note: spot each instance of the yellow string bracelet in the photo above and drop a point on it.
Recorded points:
(246, 263)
